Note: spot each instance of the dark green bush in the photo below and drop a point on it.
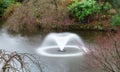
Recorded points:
(80, 11)
(4, 4)
(115, 4)
(115, 21)
(1, 7)
(105, 7)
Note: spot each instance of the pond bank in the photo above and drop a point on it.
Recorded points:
(98, 27)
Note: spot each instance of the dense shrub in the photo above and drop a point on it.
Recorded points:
(115, 4)
(22, 20)
(82, 10)
(34, 15)
(105, 7)
(115, 21)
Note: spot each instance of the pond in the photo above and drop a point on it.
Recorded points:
(29, 44)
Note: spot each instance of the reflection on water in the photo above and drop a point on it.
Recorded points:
(18, 43)
(30, 43)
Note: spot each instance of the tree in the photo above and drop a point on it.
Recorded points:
(106, 55)
(17, 62)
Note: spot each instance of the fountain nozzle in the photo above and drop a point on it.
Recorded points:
(62, 50)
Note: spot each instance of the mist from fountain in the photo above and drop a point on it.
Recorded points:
(63, 42)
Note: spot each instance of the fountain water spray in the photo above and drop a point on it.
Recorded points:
(63, 42)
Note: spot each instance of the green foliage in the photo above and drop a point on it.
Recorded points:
(4, 4)
(9, 10)
(115, 4)
(115, 21)
(82, 10)
(105, 7)
(75, 1)
(1, 7)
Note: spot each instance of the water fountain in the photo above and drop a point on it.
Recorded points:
(62, 45)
